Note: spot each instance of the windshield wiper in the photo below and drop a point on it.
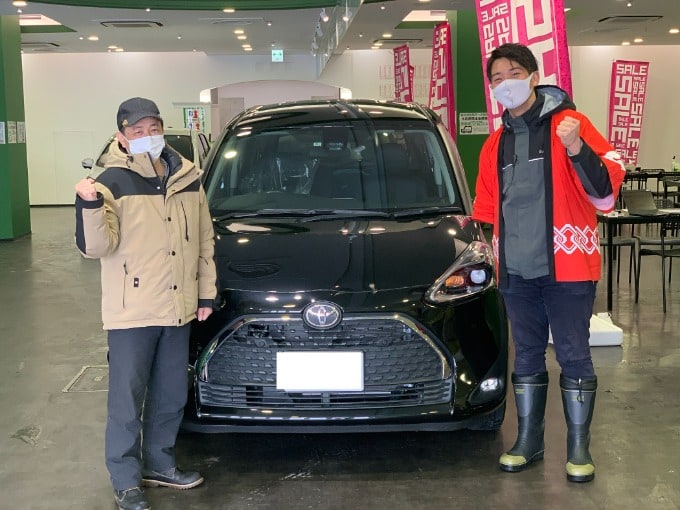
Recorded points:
(427, 211)
(313, 214)
(334, 214)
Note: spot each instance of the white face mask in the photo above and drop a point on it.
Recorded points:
(513, 93)
(152, 144)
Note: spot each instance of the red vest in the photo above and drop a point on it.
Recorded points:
(576, 246)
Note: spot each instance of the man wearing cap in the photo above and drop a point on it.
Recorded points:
(146, 219)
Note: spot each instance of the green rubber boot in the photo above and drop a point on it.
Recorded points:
(530, 395)
(578, 399)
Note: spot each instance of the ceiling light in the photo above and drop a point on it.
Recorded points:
(242, 37)
(629, 4)
(324, 17)
(674, 31)
(239, 31)
(19, 4)
(118, 50)
(248, 49)
(345, 18)
(92, 38)
(638, 40)
(113, 47)
(424, 1)
(269, 23)
(229, 10)
(625, 43)
(387, 35)
(382, 7)
(147, 9)
(179, 37)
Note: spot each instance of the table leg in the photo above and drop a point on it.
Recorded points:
(610, 259)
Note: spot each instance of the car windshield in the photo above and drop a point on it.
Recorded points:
(182, 144)
(390, 166)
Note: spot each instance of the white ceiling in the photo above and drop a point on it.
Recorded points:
(293, 31)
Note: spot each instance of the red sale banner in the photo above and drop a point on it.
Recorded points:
(538, 24)
(626, 106)
(403, 79)
(441, 98)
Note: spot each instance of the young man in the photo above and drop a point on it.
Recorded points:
(146, 219)
(542, 176)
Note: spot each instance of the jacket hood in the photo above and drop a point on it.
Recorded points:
(550, 99)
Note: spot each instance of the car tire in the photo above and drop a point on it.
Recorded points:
(490, 422)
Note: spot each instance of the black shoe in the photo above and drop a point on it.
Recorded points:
(175, 478)
(131, 499)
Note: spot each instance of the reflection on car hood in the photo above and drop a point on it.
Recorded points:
(338, 255)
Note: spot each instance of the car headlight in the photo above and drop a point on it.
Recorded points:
(472, 272)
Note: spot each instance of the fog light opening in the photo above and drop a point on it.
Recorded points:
(491, 384)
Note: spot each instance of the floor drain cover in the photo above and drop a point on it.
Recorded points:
(90, 378)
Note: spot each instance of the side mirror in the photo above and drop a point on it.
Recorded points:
(87, 163)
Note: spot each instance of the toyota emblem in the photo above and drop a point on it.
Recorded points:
(322, 315)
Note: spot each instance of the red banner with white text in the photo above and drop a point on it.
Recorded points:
(626, 106)
(538, 24)
(403, 76)
(441, 98)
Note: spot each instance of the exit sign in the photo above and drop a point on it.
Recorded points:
(277, 55)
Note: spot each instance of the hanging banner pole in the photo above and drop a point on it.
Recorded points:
(626, 105)
(441, 98)
(538, 24)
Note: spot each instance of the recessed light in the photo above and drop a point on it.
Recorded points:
(92, 38)
(179, 37)
(674, 31)
(387, 35)
(242, 37)
(239, 31)
(118, 50)
(638, 40)
(625, 43)
(113, 47)
(229, 10)
(17, 3)
(382, 7)
(148, 9)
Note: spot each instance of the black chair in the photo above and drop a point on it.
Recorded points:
(666, 246)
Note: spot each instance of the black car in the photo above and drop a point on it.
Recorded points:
(356, 292)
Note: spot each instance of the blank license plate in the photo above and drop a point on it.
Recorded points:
(320, 371)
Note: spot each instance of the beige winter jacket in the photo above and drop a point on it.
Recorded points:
(155, 242)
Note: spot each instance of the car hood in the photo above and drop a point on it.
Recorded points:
(343, 255)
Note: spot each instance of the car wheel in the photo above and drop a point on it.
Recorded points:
(490, 422)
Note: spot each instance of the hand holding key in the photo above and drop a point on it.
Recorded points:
(86, 190)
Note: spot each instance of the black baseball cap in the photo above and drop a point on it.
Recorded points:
(134, 109)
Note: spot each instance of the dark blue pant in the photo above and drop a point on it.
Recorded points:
(147, 376)
(535, 305)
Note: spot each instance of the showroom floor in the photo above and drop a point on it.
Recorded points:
(52, 419)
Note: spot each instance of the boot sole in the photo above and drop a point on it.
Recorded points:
(580, 479)
(157, 483)
(509, 468)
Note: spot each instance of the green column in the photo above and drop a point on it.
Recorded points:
(468, 86)
(15, 217)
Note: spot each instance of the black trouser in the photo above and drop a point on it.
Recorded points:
(147, 375)
(537, 304)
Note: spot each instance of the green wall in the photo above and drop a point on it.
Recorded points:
(469, 86)
(15, 217)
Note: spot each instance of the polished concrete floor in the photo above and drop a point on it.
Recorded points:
(52, 424)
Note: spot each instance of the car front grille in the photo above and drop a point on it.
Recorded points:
(402, 367)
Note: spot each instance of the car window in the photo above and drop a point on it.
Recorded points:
(182, 144)
(387, 166)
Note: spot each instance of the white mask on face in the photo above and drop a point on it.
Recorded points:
(152, 144)
(513, 93)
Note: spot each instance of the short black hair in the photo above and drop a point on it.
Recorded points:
(515, 53)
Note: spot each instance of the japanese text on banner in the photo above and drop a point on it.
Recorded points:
(403, 79)
(538, 24)
(626, 107)
(441, 81)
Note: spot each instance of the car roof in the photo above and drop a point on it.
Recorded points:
(332, 110)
